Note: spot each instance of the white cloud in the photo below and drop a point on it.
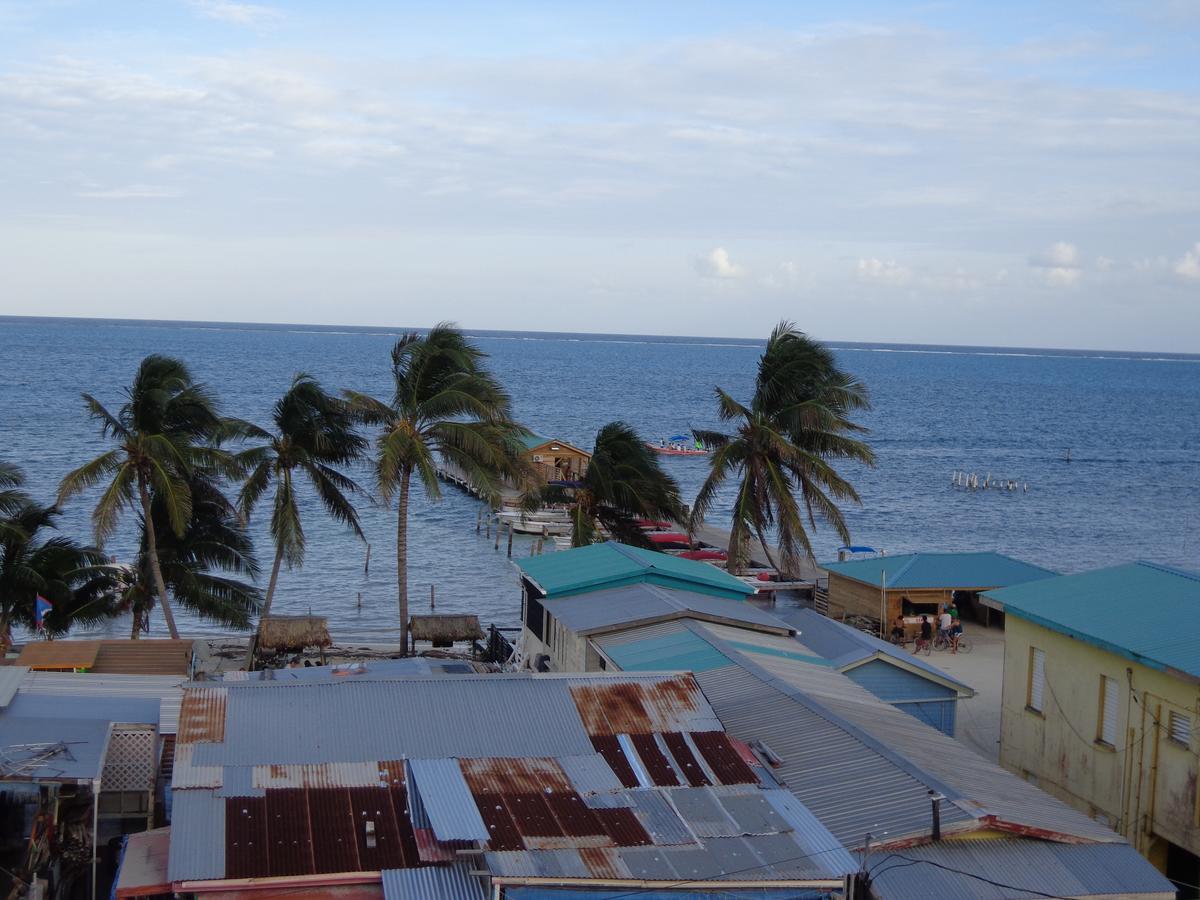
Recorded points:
(1060, 264)
(231, 13)
(1188, 266)
(883, 271)
(717, 264)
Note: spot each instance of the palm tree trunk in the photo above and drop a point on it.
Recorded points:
(402, 558)
(5, 642)
(266, 607)
(135, 630)
(155, 569)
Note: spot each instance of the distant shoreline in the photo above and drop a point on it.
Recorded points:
(605, 337)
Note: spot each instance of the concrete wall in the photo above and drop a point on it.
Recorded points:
(566, 649)
(1145, 786)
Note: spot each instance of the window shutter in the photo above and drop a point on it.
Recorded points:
(1108, 711)
(1180, 728)
(1037, 677)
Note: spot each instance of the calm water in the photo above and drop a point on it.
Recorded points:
(1132, 490)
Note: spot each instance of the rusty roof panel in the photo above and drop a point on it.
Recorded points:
(378, 831)
(335, 848)
(246, 837)
(685, 760)
(656, 764)
(186, 774)
(289, 837)
(391, 772)
(528, 775)
(573, 815)
(623, 826)
(609, 747)
(722, 757)
(202, 715)
(603, 862)
(638, 707)
(431, 850)
(500, 825)
(321, 775)
(532, 815)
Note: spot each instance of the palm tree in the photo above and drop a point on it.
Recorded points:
(215, 540)
(12, 498)
(314, 432)
(782, 453)
(69, 575)
(444, 402)
(623, 483)
(164, 432)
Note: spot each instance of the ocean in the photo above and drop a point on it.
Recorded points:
(1130, 421)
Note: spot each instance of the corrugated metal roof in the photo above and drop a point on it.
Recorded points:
(631, 705)
(1095, 607)
(166, 688)
(452, 882)
(59, 655)
(143, 871)
(939, 570)
(678, 651)
(610, 564)
(129, 710)
(10, 680)
(79, 757)
(144, 657)
(374, 719)
(198, 829)
(1030, 868)
(589, 774)
(630, 604)
(390, 668)
(447, 800)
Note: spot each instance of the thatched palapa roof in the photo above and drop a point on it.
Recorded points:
(443, 629)
(293, 633)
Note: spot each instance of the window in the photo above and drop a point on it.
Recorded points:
(1179, 728)
(1106, 726)
(1037, 679)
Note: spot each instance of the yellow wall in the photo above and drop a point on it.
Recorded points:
(1146, 785)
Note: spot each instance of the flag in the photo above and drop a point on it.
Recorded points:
(43, 606)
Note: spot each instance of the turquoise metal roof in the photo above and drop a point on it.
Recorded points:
(940, 570)
(1142, 611)
(534, 440)
(611, 564)
(682, 651)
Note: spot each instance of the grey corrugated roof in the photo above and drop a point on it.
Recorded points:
(198, 823)
(166, 688)
(589, 774)
(447, 800)
(1030, 868)
(389, 719)
(412, 665)
(639, 603)
(451, 882)
(10, 680)
(127, 710)
(82, 759)
(815, 839)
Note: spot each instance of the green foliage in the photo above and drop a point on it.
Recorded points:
(783, 449)
(624, 482)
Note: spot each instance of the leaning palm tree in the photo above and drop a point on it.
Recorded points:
(209, 569)
(71, 576)
(623, 483)
(164, 431)
(314, 433)
(782, 453)
(444, 403)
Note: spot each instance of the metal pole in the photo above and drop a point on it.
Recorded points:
(95, 829)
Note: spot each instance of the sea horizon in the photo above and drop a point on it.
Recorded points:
(617, 337)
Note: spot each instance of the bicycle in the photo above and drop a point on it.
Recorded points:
(942, 642)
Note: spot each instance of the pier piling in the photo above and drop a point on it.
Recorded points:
(510, 534)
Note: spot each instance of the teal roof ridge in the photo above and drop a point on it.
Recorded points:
(1169, 570)
(912, 559)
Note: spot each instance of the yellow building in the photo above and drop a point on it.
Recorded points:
(1101, 702)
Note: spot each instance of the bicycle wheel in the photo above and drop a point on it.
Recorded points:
(964, 645)
(939, 644)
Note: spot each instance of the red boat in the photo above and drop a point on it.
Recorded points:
(706, 555)
(669, 538)
(652, 525)
(676, 451)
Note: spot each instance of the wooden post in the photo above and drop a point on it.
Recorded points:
(496, 546)
(510, 534)
(489, 526)
(360, 599)
(479, 520)
(367, 564)
(431, 604)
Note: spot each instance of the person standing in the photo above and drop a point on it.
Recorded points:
(926, 635)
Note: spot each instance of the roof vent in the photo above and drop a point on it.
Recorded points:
(370, 833)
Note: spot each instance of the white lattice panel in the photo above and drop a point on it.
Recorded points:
(130, 764)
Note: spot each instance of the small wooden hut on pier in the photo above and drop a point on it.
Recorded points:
(555, 460)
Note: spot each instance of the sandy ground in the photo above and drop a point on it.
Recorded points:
(983, 669)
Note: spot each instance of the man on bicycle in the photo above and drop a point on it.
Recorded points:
(956, 631)
(945, 620)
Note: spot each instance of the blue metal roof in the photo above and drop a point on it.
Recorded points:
(611, 564)
(682, 651)
(939, 570)
(80, 759)
(1142, 611)
(631, 604)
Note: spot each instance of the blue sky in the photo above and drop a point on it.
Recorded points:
(1020, 173)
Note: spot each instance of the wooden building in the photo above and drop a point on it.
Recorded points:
(916, 584)
(555, 460)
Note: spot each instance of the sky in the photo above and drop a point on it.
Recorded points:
(1020, 174)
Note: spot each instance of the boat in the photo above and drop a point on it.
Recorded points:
(653, 524)
(706, 555)
(669, 539)
(678, 445)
